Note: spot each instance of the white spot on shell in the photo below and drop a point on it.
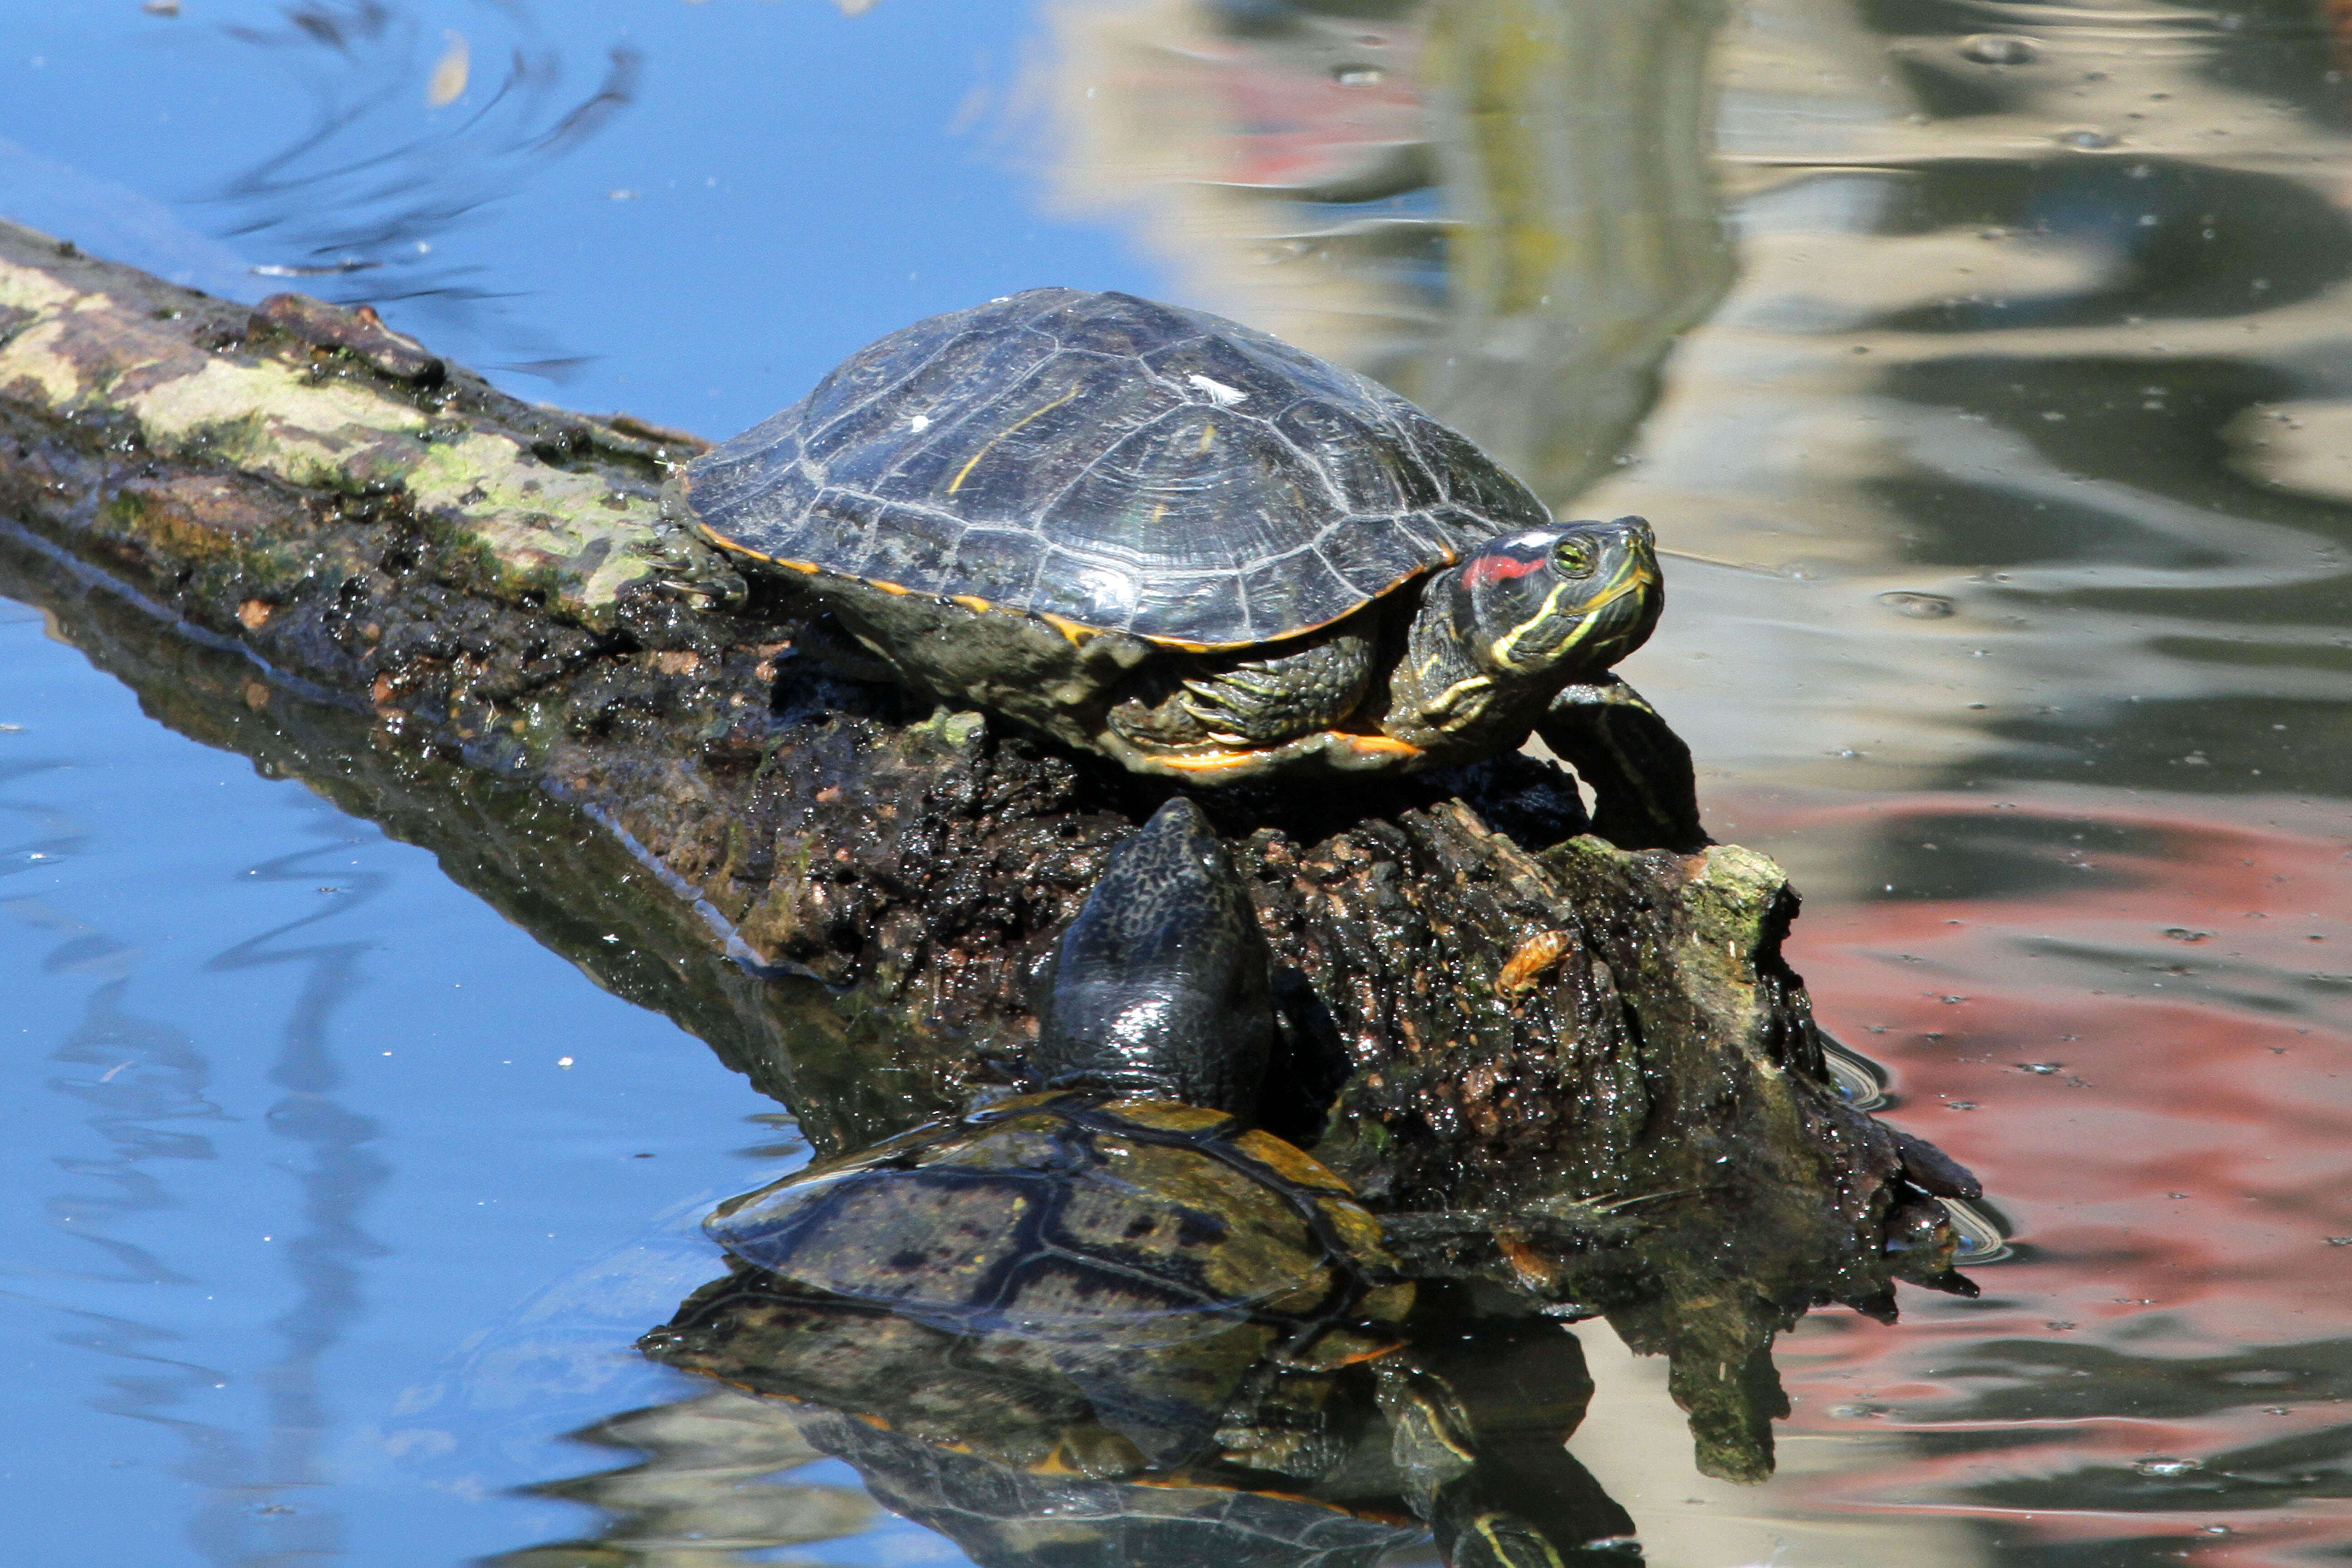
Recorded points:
(921, 422)
(1221, 394)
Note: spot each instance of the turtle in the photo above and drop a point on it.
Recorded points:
(1122, 1219)
(1153, 533)
(1105, 1318)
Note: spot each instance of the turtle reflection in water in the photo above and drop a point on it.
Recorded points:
(1156, 534)
(1111, 1322)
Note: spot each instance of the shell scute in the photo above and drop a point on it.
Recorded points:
(1037, 1141)
(1143, 499)
(1168, 1115)
(997, 563)
(1449, 528)
(872, 438)
(906, 546)
(1208, 605)
(851, 383)
(1240, 1240)
(1114, 323)
(1220, 372)
(769, 501)
(1364, 464)
(1291, 1162)
(1139, 1222)
(1284, 592)
(877, 1236)
(1012, 456)
(1379, 563)
(1356, 1227)
(840, 522)
(1472, 481)
(1272, 373)
(745, 460)
(1140, 516)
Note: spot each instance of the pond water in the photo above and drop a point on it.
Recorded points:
(1985, 362)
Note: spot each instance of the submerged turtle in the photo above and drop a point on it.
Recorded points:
(1110, 1322)
(1126, 1223)
(1163, 536)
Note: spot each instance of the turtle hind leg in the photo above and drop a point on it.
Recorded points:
(1644, 794)
(1254, 702)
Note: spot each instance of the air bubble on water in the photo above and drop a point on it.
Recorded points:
(1919, 606)
(2164, 1466)
(2000, 50)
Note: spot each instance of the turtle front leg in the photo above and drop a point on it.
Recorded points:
(1254, 701)
(1644, 794)
(1479, 1444)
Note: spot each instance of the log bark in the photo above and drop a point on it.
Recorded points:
(1561, 1067)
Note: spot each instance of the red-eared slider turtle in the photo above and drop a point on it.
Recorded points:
(1126, 1220)
(1158, 534)
(1036, 1326)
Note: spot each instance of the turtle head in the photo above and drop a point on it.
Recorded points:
(1554, 604)
(1159, 987)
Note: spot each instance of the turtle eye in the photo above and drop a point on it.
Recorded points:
(1574, 557)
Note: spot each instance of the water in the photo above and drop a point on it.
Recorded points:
(2010, 425)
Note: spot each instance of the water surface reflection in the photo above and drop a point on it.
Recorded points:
(2012, 414)
(282, 1128)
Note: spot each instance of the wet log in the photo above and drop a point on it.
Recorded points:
(1561, 1067)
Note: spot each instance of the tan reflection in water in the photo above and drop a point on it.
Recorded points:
(1503, 208)
(1999, 295)
(1506, 209)
(706, 1491)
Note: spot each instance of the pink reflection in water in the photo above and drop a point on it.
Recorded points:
(2146, 1051)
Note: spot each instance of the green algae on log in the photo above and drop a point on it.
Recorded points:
(1557, 1066)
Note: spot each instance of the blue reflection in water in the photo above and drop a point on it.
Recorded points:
(2084, 392)
(689, 211)
(286, 1131)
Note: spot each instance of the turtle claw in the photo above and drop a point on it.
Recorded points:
(1645, 792)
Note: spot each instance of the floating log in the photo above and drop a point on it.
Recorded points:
(1561, 1067)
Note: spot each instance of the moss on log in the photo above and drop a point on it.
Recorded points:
(1560, 1067)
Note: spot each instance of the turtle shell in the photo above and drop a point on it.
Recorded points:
(1113, 463)
(1007, 1517)
(1072, 1218)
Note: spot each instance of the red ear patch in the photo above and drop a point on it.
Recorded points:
(1489, 568)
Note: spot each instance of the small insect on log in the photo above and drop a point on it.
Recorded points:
(1534, 959)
